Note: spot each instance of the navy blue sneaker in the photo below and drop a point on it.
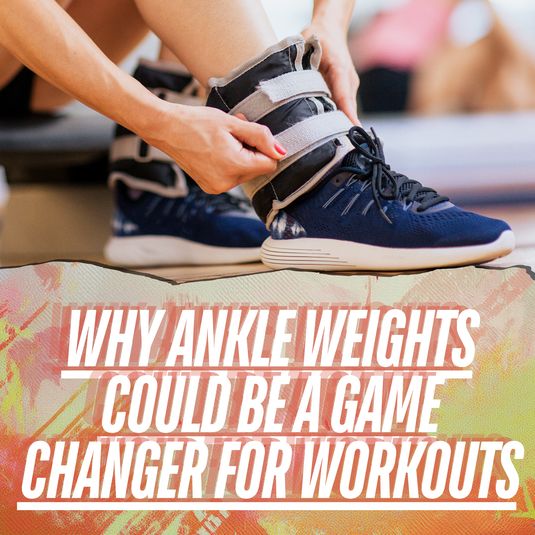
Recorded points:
(150, 230)
(365, 216)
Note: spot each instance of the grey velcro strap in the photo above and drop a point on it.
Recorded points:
(128, 147)
(293, 84)
(301, 139)
(321, 127)
(273, 93)
(179, 189)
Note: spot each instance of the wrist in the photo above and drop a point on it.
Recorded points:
(167, 126)
(332, 16)
(151, 121)
(145, 114)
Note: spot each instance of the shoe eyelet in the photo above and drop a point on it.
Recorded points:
(338, 181)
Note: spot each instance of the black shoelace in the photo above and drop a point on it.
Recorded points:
(385, 183)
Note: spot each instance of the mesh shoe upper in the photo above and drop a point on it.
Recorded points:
(218, 220)
(364, 201)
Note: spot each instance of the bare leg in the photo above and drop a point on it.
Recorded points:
(211, 38)
(167, 55)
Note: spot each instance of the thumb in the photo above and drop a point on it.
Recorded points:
(257, 136)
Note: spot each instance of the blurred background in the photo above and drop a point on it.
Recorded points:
(448, 85)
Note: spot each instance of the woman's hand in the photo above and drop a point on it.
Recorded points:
(217, 150)
(336, 63)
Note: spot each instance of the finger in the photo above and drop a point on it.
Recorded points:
(259, 137)
(345, 98)
(278, 147)
(255, 164)
(349, 107)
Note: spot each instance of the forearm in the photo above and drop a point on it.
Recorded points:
(333, 13)
(46, 39)
(211, 37)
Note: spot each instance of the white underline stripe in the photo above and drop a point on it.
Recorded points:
(266, 506)
(95, 374)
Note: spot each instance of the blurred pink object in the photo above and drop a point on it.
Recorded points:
(402, 37)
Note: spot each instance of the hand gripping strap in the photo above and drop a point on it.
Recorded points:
(271, 94)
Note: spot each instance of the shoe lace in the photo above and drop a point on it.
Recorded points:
(385, 183)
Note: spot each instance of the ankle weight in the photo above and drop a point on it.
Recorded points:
(282, 89)
(135, 162)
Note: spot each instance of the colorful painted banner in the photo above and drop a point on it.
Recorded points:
(277, 403)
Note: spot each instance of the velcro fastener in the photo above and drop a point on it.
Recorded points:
(129, 147)
(321, 127)
(292, 84)
(273, 93)
(179, 189)
(300, 139)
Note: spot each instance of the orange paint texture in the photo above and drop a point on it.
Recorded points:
(39, 403)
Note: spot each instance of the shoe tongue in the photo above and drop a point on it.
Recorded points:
(405, 188)
(355, 159)
(407, 185)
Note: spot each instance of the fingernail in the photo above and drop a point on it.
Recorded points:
(279, 148)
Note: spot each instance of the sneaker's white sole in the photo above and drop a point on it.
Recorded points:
(339, 255)
(138, 251)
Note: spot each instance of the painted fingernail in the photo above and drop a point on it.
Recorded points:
(279, 148)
